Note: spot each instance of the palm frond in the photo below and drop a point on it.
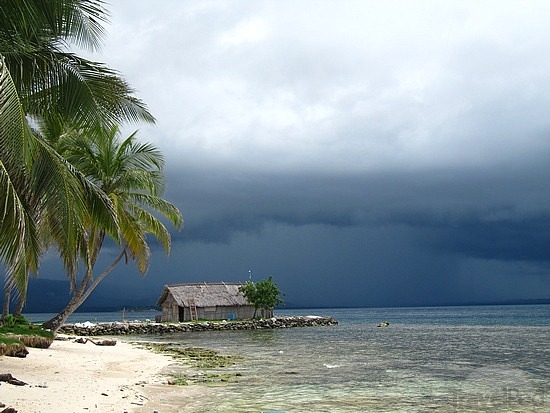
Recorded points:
(131, 230)
(13, 124)
(141, 155)
(84, 22)
(152, 225)
(157, 204)
(79, 21)
(19, 239)
(82, 90)
(73, 202)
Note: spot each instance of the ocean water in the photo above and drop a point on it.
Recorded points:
(97, 317)
(444, 359)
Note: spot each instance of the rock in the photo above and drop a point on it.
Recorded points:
(142, 328)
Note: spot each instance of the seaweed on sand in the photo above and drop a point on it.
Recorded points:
(198, 357)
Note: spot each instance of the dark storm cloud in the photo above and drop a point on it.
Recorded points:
(434, 237)
(362, 152)
(493, 213)
(521, 240)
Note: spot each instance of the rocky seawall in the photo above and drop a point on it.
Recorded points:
(140, 328)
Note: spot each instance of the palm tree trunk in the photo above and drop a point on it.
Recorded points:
(22, 297)
(20, 306)
(55, 323)
(80, 295)
(59, 319)
(7, 298)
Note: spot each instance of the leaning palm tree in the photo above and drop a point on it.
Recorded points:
(131, 174)
(43, 200)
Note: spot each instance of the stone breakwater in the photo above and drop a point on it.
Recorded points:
(140, 328)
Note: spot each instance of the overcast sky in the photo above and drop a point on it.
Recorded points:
(364, 153)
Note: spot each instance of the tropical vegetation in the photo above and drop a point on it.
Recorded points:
(264, 295)
(16, 333)
(50, 96)
(130, 174)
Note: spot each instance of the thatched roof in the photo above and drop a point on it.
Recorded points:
(205, 294)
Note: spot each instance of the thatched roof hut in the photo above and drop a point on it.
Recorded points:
(209, 301)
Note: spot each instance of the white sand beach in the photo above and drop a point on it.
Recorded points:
(74, 377)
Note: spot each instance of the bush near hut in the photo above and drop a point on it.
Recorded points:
(263, 295)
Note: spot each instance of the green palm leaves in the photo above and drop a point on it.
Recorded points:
(49, 96)
(131, 174)
(18, 233)
(34, 36)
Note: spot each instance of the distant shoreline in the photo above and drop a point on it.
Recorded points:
(142, 309)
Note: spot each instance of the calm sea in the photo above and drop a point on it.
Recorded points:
(442, 359)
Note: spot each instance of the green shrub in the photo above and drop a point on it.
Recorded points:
(13, 320)
(18, 329)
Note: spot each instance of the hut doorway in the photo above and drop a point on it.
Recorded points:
(181, 315)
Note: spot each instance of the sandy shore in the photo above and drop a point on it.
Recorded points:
(74, 377)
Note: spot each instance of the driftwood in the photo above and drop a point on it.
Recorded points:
(8, 378)
(83, 340)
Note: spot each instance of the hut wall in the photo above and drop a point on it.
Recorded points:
(170, 310)
(243, 312)
(223, 312)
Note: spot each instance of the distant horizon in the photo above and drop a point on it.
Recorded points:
(50, 296)
(541, 301)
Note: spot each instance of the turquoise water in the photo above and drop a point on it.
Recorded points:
(444, 359)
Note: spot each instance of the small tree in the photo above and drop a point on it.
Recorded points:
(264, 294)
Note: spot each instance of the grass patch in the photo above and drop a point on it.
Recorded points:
(7, 340)
(31, 335)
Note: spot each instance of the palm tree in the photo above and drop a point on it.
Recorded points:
(131, 174)
(43, 199)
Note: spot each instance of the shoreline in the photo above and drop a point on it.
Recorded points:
(75, 377)
(80, 376)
